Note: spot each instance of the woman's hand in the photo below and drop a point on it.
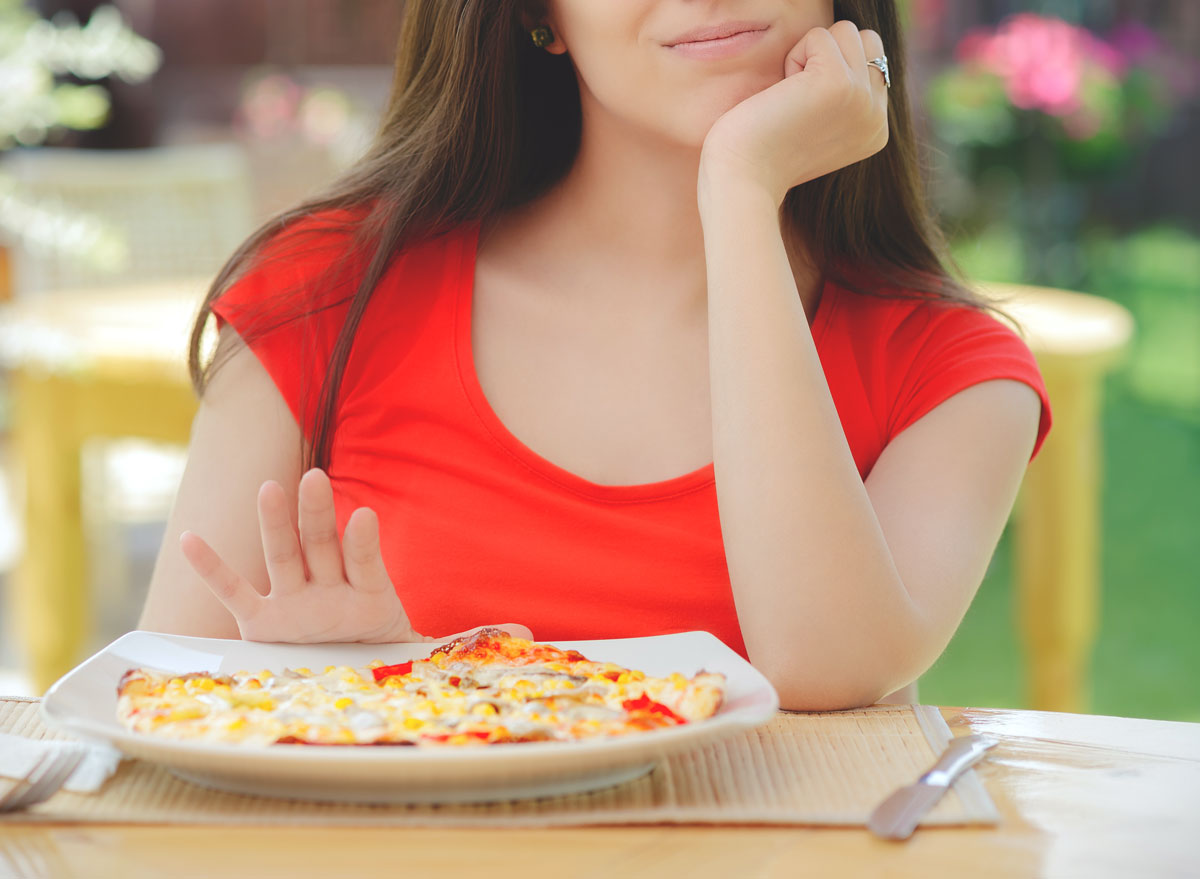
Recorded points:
(829, 111)
(322, 589)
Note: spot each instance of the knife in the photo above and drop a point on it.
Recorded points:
(898, 815)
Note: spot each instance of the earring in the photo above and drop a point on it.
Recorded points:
(541, 36)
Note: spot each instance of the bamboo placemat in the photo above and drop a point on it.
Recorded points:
(800, 769)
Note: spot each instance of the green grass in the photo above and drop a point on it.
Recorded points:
(1147, 657)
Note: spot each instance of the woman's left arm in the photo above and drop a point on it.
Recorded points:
(845, 591)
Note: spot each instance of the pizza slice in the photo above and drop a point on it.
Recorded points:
(486, 688)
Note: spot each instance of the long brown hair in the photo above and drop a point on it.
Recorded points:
(480, 120)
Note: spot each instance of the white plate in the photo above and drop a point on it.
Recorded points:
(84, 703)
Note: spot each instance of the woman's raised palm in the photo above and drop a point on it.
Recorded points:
(321, 588)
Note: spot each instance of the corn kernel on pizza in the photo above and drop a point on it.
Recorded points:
(485, 688)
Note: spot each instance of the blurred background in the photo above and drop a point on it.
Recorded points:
(141, 140)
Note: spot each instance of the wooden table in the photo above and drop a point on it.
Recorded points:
(1080, 796)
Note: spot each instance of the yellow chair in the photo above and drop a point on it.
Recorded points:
(85, 365)
(85, 343)
(1077, 339)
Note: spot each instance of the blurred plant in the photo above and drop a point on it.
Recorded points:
(35, 104)
(1036, 106)
(34, 53)
(1094, 100)
(275, 106)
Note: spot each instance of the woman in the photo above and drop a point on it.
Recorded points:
(590, 251)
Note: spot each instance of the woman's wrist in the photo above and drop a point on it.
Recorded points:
(721, 188)
(723, 179)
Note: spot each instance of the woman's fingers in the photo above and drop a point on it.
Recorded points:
(873, 46)
(844, 41)
(367, 574)
(239, 597)
(363, 559)
(514, 629)
(816, 48)
(281, 547)
(318, 529)
(849, 40)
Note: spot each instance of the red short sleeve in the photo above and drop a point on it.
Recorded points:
(956, 348)
(289, 308)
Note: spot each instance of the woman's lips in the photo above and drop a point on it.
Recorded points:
(726, 47)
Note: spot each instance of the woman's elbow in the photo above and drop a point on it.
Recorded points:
(826, 698)
(842, 689)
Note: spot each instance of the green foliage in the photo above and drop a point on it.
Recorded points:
(80, 107)
(971, 108)
(1156, 274)
(995, 255)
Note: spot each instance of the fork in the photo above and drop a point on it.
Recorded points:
(43, 781)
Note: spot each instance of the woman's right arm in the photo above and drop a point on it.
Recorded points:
(287, 576)
(244, 434)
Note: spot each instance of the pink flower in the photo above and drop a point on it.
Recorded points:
(1044, 62)
(973, 47)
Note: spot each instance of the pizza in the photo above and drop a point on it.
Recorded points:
(482, 689)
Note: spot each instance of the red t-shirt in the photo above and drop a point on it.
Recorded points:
(477, 528)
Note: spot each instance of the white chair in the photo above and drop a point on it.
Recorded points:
(179, 210)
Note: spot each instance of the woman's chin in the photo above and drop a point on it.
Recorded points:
(693, 131)
(729, 97)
